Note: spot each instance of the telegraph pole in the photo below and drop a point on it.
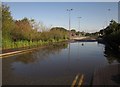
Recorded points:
(69, 10)
(108, 16)
(79, 22)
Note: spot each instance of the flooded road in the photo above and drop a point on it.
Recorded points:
(57, 64)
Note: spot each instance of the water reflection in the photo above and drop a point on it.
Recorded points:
(56, 64)
(41, 54)
(26, 58)
(111, 55)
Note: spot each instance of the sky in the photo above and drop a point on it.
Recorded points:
(95, 15)
(60, 0)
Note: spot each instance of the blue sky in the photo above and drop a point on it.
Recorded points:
(94, 14)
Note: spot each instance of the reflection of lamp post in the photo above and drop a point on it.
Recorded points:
(69, 10)
(29, 39)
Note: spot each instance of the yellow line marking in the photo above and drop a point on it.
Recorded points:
(15, 53)
(75, 80)
(81, 81)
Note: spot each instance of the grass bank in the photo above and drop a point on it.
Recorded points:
(8, 45)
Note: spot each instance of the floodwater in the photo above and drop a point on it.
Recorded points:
(57, 64)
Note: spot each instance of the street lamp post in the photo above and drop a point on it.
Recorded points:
(69, 10)
(108, 16)
(79, 22)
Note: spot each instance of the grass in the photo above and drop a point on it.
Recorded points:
(8, 44)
